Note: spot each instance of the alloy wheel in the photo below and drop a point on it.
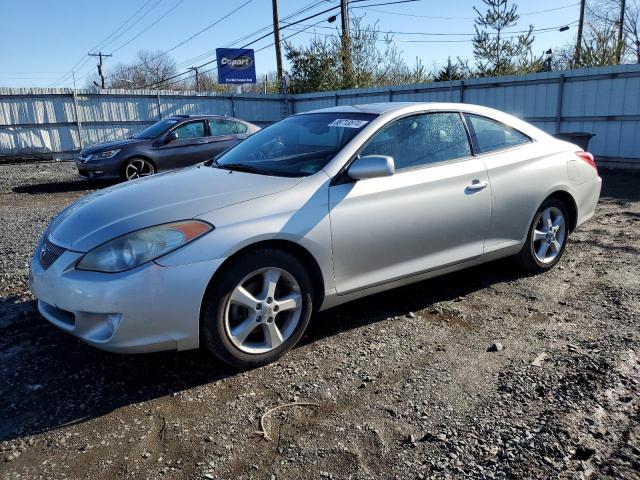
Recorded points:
(138, 168)
(549, 235)
(263, 310)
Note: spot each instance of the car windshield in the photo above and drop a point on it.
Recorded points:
(156, 129)
(296, 146)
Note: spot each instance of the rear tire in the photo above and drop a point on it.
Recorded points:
(257, 308)
(547, 237)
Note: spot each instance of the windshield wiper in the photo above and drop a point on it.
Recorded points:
(242, 167)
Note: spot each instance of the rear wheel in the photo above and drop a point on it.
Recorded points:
(257, 309)
(137, 167)
(547, 237)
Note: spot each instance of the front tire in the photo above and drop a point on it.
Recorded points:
(547, 237)
(137, 167)
(257, 308)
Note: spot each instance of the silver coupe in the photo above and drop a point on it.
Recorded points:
(321, 208)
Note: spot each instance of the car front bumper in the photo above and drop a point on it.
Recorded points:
(147, 309)
(106, 169)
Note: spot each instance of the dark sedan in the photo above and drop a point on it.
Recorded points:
(174, 142)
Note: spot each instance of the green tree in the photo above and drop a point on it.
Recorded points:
(496, 51)
(376, 61)
(451, 71)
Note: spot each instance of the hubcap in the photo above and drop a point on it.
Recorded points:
(549, 235)
(138, 168)
(263, 310)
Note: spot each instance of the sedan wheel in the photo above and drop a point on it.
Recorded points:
(256, 308)
(138, 168)
(263, 310)
(547, 237)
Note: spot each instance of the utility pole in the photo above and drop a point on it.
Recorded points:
(195, 69)
(347, 67)
(576, 60)
(276, 37)
(100, 55)
(621, 31)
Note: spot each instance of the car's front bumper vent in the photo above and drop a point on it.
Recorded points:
(49, 253)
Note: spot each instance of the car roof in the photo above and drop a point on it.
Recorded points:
(373, 108)
(196, 117)
(396, 109)
(385, 107)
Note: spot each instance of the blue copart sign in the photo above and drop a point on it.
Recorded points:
(236, 65)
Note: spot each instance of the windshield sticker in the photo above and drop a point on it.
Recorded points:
(348, 123)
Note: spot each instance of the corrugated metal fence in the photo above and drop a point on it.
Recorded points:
(61, 121)
(604, 101)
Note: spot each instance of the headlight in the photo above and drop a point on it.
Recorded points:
(103, 155)
(134, 249)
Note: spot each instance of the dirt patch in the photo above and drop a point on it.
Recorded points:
(406, 386)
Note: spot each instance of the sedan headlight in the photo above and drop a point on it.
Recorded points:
(103, 155)
(135, 248)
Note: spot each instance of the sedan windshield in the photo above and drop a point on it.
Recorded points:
(156, 129)
(296, 146)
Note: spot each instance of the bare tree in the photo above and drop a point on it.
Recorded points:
(604, 15)
(148, 69)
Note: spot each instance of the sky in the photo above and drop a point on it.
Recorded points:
(45, 40)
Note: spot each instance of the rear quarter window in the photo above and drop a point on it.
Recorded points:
(489, 135)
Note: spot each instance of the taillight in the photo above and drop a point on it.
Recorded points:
(587, 157)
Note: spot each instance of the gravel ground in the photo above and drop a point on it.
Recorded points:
(406, 383)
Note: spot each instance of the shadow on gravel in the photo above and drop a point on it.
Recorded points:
(49, 379)
(620, 185)
(411, 298)
(63, 187)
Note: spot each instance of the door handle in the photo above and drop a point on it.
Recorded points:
(476, 185)
(200, 142)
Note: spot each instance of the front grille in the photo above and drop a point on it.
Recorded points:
(49, 253)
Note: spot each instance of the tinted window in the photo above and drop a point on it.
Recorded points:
(156, 129)
(241, 127)
(190, 130)
(222, 127)
(489, 135)
(296, 146)
(421, 140)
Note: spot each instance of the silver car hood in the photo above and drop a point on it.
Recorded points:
(163, 198)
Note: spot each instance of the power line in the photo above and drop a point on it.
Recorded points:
(256, 51)
(536, 30)
(395, 2)
(211, 25)
(130, 26)
(246, 45)
(403, 14)
(287, 17)
(545, 30)
(146, 62)
(249, 35)
(148, 27)
(83, 60)
(156, 21)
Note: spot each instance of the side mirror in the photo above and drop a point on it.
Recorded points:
(372, 166)
(171, 136)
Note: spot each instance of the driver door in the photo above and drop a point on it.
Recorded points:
(433, 212)
(188, 149)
